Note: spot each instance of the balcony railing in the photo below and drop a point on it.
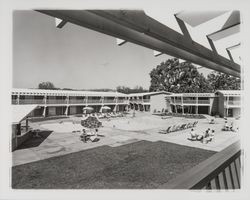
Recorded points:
(14, 101)
(190, 101)
(234, 103)
(56, 101)
(31, 101)
(77, 101)
(203, 102)
(93, 101)
(122, 101)
(109, 101)
(136, 100)
(146, 100)
(220, 171)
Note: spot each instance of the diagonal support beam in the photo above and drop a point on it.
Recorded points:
(138, 20)
(183, 27)
(211, 43)
(120, 42)
(157, 53)
(228, 49)
(60, 23)
(136, 27)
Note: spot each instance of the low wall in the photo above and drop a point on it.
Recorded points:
(18, 140)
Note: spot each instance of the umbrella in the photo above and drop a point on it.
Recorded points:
(105, 108)
(89, 109)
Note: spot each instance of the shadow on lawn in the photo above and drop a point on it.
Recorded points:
(35, 141)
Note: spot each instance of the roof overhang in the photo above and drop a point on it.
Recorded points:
(138, 28)
(20, 112)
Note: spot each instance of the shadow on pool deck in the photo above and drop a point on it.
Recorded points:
(35, 141)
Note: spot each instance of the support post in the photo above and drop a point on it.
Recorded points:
(66, 110)
(182, 106)
(18, 99)
(197, 106)
(44, 111)
(227, 105)
(27, 124)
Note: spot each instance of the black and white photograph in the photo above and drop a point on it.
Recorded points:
(144, 98)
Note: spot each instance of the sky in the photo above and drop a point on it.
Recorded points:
(79, 58)
(75, 57)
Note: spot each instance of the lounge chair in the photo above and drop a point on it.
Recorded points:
(176, 128)
(192, 138)
(194, 124)
(189, 125)
(173, 128)
(182, 126)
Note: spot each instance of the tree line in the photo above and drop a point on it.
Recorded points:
(176, 77)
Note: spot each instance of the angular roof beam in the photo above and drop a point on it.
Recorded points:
(60, 23)
(140, 29)
(139, 21)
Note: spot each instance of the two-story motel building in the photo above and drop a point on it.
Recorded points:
(68, 102)
(225, 103)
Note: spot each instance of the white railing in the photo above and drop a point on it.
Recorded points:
(77, 101)
(14, 101)
(203, 102)
(124, 101)
(109, 101)
(56, 101)
(92, 101)
(190, 102)
(234, 103)
(136, 100)
(31, 101)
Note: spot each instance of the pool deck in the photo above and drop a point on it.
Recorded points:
(60, 143)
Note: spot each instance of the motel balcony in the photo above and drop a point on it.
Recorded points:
(123, 101)
(29, 101)
(190, 102)
(94, 101)
(77, 101)
(109, 101)
(146, 100)
(233, 104)
(136, 101)
(203, 101)
(56, 101)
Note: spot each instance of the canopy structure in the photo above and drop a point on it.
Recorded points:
(19, 112)
(137, 27)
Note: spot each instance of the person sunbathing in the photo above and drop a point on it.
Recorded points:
(83, 136)
(200, 136)
(192, 135)
(226, 126)
(231, 127)
(212, 121)
(210, 137)
(93, 136)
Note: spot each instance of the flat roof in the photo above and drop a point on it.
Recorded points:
(149, 93)
(230, 92)
(194, 94)
(64, 92)
(19, 112)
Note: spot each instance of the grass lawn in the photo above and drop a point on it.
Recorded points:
(137, 165)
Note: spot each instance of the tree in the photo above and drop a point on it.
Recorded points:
(47, 86)
(128, 90)
(176, 77)
(220, 81)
